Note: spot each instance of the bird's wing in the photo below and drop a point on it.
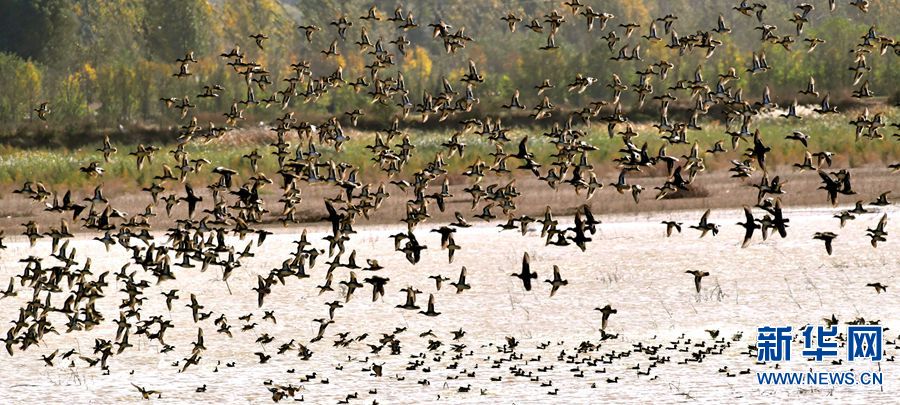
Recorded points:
(526, 264)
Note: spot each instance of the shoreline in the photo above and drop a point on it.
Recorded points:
(617, 218)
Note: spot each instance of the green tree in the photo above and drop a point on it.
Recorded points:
(43, 30)
(172, 28)
(21, 88)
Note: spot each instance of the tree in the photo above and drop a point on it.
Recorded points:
(21, 88)
(42, 30)
(173, 28)
(111, 30)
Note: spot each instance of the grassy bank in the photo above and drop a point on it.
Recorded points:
(59, 167)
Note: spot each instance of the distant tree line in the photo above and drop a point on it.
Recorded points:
(105, 63)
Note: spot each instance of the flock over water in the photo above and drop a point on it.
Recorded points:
(218, 226)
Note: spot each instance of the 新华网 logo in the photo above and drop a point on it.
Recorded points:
(820, 343)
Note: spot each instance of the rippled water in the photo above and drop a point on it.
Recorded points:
(630, 265)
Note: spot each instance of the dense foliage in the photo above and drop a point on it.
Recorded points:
(106, 63)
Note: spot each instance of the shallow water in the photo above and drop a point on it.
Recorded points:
(630, 265)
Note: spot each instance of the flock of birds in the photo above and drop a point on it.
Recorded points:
(64, 287)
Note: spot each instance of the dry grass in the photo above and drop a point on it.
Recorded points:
(58, 169)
